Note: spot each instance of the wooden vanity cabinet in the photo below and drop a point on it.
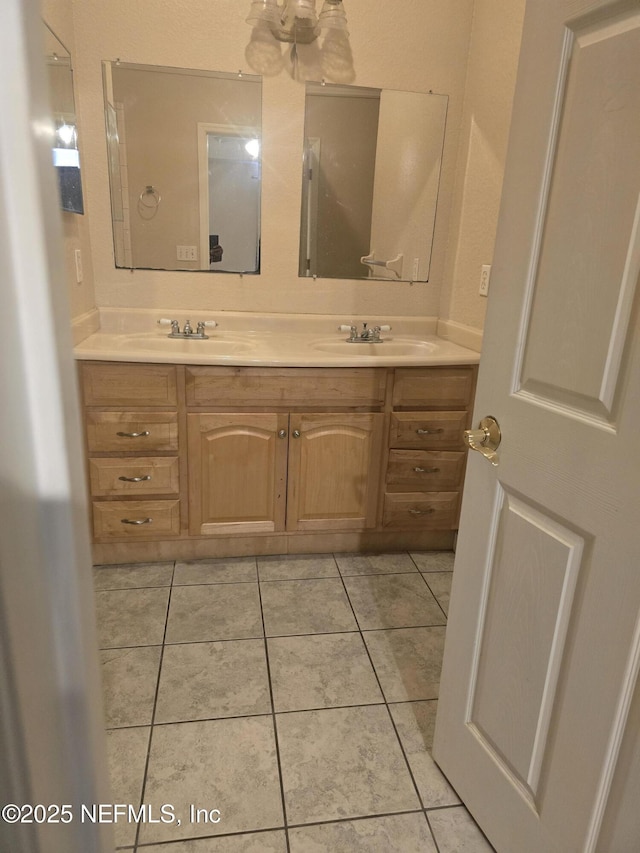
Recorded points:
(266, 472)
(132, 436)
(194, 461)
(431, 408)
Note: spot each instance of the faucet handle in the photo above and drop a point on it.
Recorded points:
(384, 328)
(175, 326)
(208, 324)
(353, 331)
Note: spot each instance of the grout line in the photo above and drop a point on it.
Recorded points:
(356, 818)
(240, 833)
(395, 728)
(275, 725)
(435, 597)
(271, 713)
(386, 704)
(131, 588)
(155, 703)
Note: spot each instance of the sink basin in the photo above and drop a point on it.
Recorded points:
(397, 347)
(163, 344)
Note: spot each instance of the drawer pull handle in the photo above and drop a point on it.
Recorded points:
(135, 479)
(131, 521)
(421, 471)
(422, 511)
(429, 431)
(133, 434)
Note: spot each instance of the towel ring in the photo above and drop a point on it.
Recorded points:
(156, 198)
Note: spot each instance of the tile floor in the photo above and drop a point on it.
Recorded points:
(296, 695)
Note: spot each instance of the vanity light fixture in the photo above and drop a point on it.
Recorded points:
(297, 21)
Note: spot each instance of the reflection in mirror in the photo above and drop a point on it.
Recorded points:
(66, 157)
(372, 161)
(184, 154)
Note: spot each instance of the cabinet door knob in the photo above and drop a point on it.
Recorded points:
(282, 433)
(296, 433)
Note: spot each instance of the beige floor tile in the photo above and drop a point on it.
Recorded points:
(414, 723)
(214, 612)
(296, 567)
(255, 842)
(306, 607)
(228, 570)
(229, 765)
(203, 681)
(426, 714)
(374, 564)
(131, 617)
(440, 585)
(341, 763)
(129, 680)
(407, 661)
(321, 671)
(433, 561)
(407, 833)
(393, 601)
(126, 755)
(132, 575)
(456, 832)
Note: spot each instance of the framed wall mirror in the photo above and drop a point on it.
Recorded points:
(184, 153)
(371, 173)
(66, 157)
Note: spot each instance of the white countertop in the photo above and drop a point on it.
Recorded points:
(269, 340)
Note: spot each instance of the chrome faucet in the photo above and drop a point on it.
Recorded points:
(187, 330)
(367, 336)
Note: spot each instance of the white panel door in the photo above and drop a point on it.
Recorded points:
(543, 642)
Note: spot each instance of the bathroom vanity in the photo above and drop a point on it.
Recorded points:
(189, 459)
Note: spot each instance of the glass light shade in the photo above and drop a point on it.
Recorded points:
(333, 16)
(263, 10)
(305, 9)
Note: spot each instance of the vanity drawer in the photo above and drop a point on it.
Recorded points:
(425, 470)
(143, 432)
(421, 511)
(433, 388)
(147, 519)
(111, 384)
(243, 387)
(428, 430)
(112, 476)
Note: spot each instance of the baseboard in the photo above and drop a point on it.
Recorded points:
(293, 543)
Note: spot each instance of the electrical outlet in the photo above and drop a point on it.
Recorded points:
(78, 259)
(187, 253)
(485, 275)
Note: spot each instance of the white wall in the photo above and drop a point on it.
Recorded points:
(493, 59)
(462, 48)
(420, 46)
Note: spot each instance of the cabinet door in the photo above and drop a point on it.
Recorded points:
(334, 471)
(237, 473)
